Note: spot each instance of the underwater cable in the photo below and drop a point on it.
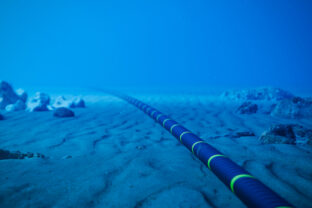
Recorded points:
(246, 187)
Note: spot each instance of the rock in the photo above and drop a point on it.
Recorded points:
(140, 147)
(293, 108)
(287, 134)
(268, 94)
(279, 134)
(242, 134)
(22, 95)
(303, 135)
(266, 108)
(67, 157)
(30, 154)
(63, 112)
(43, 98)
(19, 105)
(78, 103)
(247, 108)
(40, 155)
(271, 101)
(5, 154)
(40, 102)
(7, 95)
(62, 102)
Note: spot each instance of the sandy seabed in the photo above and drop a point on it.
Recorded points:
(113, 155)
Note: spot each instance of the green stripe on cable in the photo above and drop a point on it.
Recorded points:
(283, 207)
(186, 132)
(159, 115)
(167, 119)
(234, 179)
(195, 145)
(174, 125)
(152, 114)
(213, 156)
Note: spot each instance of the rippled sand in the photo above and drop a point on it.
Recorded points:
(122, 158)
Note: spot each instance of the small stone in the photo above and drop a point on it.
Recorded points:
(39, 155)
(40, 108)
(30, 154)
(140, 147)
(67, 157)
(63, 112)
(243, 134)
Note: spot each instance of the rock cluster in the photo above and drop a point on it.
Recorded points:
(19, 105)
(40, 102)
(11, 100)
(287, 134)
(267, 93)
(247, 108)
(273, 101)
(293, 108)
(16, 101)
(5, 154)
(61, 101)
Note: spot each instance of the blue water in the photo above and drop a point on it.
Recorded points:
(157, 43)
